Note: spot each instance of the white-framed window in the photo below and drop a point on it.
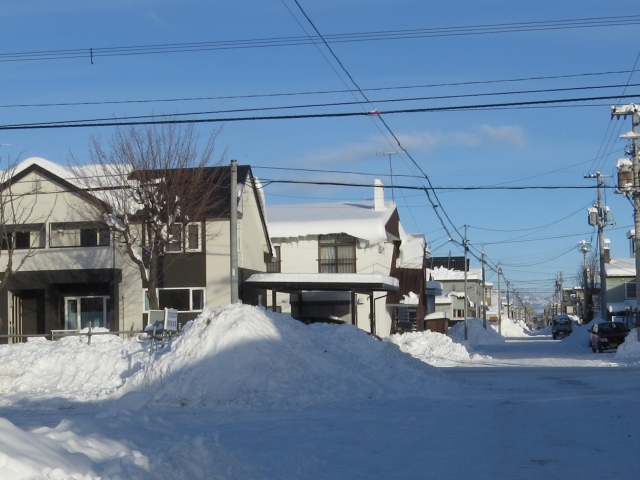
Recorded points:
(186, 238)
(79, 234)
(82, 312)
(23, 237)
(191, 299)
(630, 290)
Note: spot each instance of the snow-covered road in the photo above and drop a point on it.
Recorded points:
(536, 408)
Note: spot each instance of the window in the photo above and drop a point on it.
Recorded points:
(275, 264)
(630, 290)
(79, 235)
(23, 237)
(192, 238)
(337, 254)
(194, 242)
(84, 312)
(182, 299)
(175, 244)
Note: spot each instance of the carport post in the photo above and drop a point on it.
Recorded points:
(372, 314)
(273, 299)
(354, 320)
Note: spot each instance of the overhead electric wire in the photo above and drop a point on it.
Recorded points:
(319, 92)
(92, 53)
(624, 90)
(377, 113)
(339, 104)
(269, 181)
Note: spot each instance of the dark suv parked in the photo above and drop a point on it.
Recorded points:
(561, 326)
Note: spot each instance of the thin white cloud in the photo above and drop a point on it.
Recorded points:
(506, 135)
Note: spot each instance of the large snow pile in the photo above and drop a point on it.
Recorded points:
(512, 328)
(477, 335)
(60, 453)
(232, 356)
(240, 356)
(431, 347)
(630, 349)
(69, 368)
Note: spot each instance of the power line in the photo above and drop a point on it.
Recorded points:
(377, 113)
(92, 53)
(268, 181)
(318, 92)
(338, 104)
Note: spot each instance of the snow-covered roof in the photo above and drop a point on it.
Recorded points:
(357, 219)
(443, 300)
(621, 267)
(441, 274)
(320, 281)
(412, 249)
(56, 169)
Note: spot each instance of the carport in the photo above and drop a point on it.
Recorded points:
(297, 283)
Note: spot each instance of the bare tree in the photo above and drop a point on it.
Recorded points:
(21, 227)
(152, 182)
(22, 224)
(588, 279)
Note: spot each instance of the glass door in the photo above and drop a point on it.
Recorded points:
(71, 313)
(84, 312)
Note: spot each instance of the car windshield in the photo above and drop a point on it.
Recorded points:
(611, 328)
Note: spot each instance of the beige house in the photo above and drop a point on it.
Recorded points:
(78, 275)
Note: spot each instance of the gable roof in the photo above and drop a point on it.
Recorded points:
(48, 169)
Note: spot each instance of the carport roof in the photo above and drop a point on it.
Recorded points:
(294, 282)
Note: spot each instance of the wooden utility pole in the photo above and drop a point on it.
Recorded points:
(233, 231)
(484, 296)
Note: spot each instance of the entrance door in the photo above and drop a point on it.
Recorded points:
(27, 314)
(84, 312)
(15, 322)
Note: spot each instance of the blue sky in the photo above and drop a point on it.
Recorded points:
(524, 146)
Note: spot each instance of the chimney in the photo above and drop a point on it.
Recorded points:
(378, 196)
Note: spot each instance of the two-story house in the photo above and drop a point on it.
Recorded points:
(347, 262)
(77, 275)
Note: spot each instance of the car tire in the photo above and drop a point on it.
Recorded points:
(555, 337)
(600, 349)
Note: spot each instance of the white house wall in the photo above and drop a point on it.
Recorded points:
(301, 256)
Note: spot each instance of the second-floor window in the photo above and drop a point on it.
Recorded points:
(192, 241)
(630, 290)
(23, 237)
(337, 254)
(79, 234)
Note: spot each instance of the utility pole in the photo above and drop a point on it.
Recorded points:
(508, 301)
(584, 246)
(631, 190)
(233, 231)
(499, 301)
(484, 295)
(600, 216)
(466, 302)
